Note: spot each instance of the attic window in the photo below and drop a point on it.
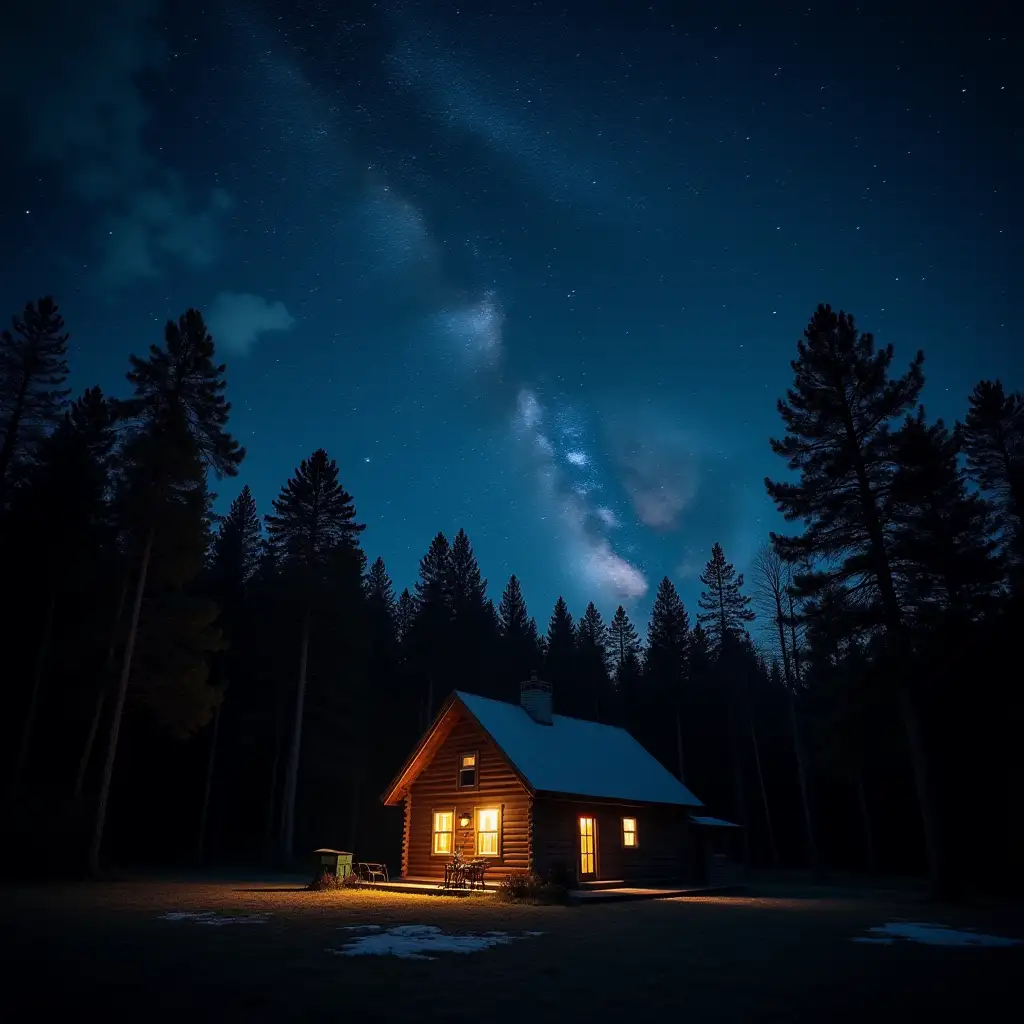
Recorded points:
(467, 771)
(629, 832)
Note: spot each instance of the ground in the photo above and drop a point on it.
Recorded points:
(786, 956)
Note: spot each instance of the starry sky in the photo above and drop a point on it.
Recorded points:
(534, 270)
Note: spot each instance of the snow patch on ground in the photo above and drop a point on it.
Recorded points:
(361, 928)
(211, 917)
(932, 935)
(419, 941)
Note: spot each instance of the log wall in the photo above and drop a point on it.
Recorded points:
(436, 789)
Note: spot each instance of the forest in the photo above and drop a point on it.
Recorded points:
(186, 688)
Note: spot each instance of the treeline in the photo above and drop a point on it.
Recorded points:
(241, 688)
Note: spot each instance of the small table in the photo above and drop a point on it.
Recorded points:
(474, 873)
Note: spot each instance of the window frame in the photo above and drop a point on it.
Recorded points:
(475, 754)
(634, 832)
(477, 832)
(434, 833)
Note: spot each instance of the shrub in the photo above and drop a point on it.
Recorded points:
(329, 881)
(526, 887)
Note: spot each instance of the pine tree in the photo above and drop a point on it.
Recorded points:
(431, 632)
(473, 622)
(239, 544)
(517, 632)
(405, 613)
(33, 366)
(64, 503)
(837, 416)
(592, 662)
(667, 659)
(560, 656)
(380, 592)
(992, 438)
(178, 430)
(624, 646)
(724, 607)
(314, 518)
(942, 539)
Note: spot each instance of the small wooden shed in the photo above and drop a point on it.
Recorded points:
(535, 791)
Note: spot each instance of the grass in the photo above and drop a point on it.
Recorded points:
(787, 957)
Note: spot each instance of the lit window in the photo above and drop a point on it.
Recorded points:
(629, 831)
(443, 822)
(467, 771)
(488, 828)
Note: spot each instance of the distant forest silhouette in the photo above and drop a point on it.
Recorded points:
(182, 687)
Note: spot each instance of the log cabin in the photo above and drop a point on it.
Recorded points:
(532, 791)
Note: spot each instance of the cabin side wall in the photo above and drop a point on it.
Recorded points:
(436, 788)
(666, 844)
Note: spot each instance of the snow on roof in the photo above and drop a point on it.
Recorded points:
(715, 822)
(577, 758)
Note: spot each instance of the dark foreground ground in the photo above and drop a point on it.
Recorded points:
(103, 949)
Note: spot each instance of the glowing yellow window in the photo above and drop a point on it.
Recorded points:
(629, 831)
(443, 822)
(488, 828)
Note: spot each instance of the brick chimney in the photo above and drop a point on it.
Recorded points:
(535, 697)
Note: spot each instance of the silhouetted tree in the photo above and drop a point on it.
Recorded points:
(517, 633)
(667, 660)
(473, 622)
(592, 662)
(314, 517)
(724, 607)
(943, 545)
(624, 649)
(772, 583)
(992, 438)
(65, 504)
(431, 631)
(837, 416)
(177, 430)
(560, 657)
(33, 368)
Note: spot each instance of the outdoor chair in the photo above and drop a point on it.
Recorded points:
(371, 872)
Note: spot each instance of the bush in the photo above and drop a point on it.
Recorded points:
(329, 881)
(526, 887)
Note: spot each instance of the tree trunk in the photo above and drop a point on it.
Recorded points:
(764, 792)
(792, 638)
(739, 790)
(357, 788)
(274, 770)
(865, 818)
(292, 772)
(101, 699)
(204, 814)
(679, 744)
(925, 796)
(119, 699)
(37, 685)
(805, 803)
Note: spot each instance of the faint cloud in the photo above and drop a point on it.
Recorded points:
(474, 331)
(609, 518)
(237, 319)
(658, 465)
(70, 79)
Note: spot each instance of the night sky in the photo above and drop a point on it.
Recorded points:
(534, 270)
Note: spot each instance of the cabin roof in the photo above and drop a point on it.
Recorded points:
(575, 757)
(570, 757)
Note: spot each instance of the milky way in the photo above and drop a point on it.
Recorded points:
(536, 273)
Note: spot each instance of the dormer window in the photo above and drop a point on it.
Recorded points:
(467, 770)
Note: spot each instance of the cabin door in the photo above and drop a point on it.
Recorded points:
(588, 848)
